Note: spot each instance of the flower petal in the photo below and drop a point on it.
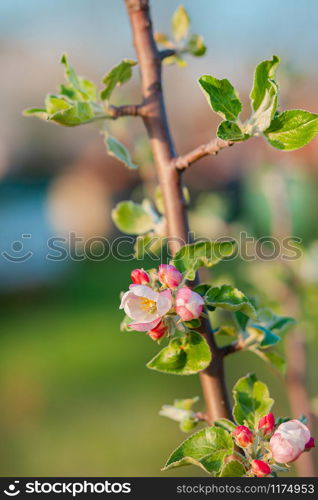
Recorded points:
(144, 327)
(164, 302)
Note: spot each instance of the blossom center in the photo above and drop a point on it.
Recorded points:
(148, 305)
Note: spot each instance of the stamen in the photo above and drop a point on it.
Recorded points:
(148, 305)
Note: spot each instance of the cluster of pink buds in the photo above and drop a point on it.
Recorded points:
(266, 447)
(154, 297)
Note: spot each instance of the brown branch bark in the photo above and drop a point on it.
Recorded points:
(155, 120)
(126, 110)
(211, 148)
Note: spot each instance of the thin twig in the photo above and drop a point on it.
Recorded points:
(156, 123)
(126, 110)
(163, 54)
(211, 148)
(232, 348)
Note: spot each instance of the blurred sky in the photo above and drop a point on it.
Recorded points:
(245, 28)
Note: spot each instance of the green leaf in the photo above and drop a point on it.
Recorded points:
(188, 424)
(281, 323)
(272, 357)
(180, 23)
(264, 96)
(175, 59)
(241, 319)
(196, 46)
(132, 218)
(68, 113)
(292, 129)
(264, 73)
(176, 414)
(221, 96)
(118, 75)
(118, 150)
(186, 404)
(54, 104)
(206, 449)
(183, 356)
(202, 288)
(37, 112)
(80, 88)
(230, 131)
(225, 424)
(202, 254)
(252, 401)
(266, 336)
(231, 299)
(194, 323)
(234, 468)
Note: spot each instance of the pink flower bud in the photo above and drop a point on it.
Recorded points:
(267, 424)
(169, 276)
(260, 468)
(189, 304)
(289, 441)
(310, 444)
(158, 332)
(243, 436)
(139, 277)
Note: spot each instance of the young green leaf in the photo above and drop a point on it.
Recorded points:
(252, 401)
(231, 131)
(234, 468)
(266, 337)
(175, 59)
(292, 129)
(241, 319)
(196, 46)
(183, 356)
(185, 404)
(79, 87)
(263, 77)
(176, 414)
(37, 112)
(118, 75)
(180, 24)
(188, 424)
(118, 150)
(202, 254)
(231, 299)
(281, 323)
(226, 424)
(206, 449)
(66, 113)
(132, 218)
(194, 323)
(221, 96)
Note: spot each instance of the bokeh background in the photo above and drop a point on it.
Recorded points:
(76, 397)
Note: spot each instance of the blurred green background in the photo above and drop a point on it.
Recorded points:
(76, 397)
